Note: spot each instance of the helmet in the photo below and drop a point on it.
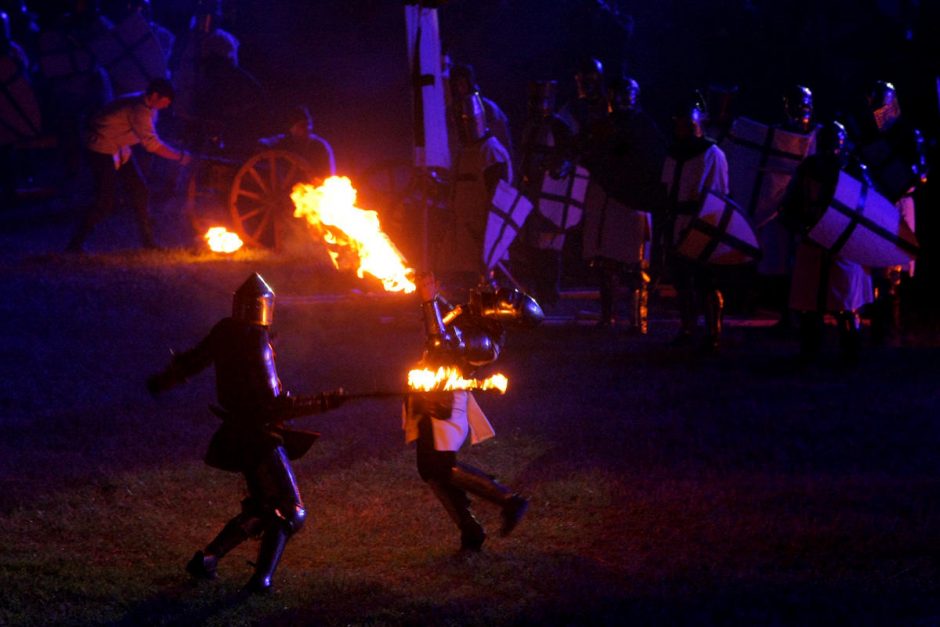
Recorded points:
(506, 305)
(798, 108)
(254, 301)
(542, 96)
(689, 117)
(471, 119)
(462, 81)
(884, 105)
(590, 78)
(830, 142)
(623, 95)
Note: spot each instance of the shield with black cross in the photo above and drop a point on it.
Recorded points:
(508, 212)
(761, 161)
(863, 226)
(131, 54)
(719, 234)
(19, 110)
(561, 202)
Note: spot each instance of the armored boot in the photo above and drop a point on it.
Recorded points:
(714, 307)
(639, 305)
(269, 555)
(478, 483)
(608, 287)
(204, 564)
(849, 335)
(457, 504)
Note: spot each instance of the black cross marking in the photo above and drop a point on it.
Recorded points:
(719, 234)
(856, 218)
(508, 222)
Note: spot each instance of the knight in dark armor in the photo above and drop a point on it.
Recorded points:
(895, 154)
(256, 437)
(693, 166)
(625, 158)
(823, 282)
(545, 137)
(468, 337)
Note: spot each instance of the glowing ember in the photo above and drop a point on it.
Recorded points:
(444, 379)
(331, 209)
(221, 240)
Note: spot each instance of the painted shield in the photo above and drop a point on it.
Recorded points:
(561, 200)
(508, 212)
(613, 230)
(863, 226)
(61, 57)
(762, 160)
(131, 54)
(719, 234)
(19, 110)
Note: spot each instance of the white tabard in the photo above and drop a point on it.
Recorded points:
(449, 435)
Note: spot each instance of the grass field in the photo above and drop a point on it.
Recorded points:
(668, 487)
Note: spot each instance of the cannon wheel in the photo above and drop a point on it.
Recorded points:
(259, 200)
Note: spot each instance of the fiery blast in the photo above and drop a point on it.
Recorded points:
(221, 240)
(331, 209)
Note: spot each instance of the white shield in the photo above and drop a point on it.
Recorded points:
(19, 110)
(131, 54)
(508, 211)
(719, 234)
(562, 200)
(613, 230)
(424, 56)
(863, 226)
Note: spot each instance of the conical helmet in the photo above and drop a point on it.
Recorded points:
(254, 301)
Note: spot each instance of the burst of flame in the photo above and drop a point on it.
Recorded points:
(331, 209)
(444, 379)
(221, 240)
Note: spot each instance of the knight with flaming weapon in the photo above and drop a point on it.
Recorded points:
(462, 338)
(255, 438)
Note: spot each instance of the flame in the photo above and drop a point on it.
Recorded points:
(444, 379)
(221, 240)
(331, 209)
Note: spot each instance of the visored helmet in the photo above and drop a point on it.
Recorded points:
(590, 78)
(884, 105)
(471, 119)
(689, 117)
(798, 108)
(254, 301)
(623, 95)
(831, 141)
(542, 97)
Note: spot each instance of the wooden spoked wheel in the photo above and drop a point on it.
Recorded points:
(259, 200)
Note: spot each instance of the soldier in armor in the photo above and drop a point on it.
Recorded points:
(544, 138)
(256, 438)
(463, 82)
(468, 336)
(589, 108)
(481, 163)
(823, 282)
(625, 159)
(895, 154)
(693, 166)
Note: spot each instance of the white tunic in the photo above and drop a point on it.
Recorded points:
(823, 283)
(466, 418)
(691, 178)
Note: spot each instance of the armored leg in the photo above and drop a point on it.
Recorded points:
(849, 334)
(639, 304)
(248, 524)
(608, 287)
(457, 504)
(886, 310)
(274, 484)
(714, 307)
(476, 482)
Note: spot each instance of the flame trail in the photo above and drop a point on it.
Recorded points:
(445, 379)
(331, 209)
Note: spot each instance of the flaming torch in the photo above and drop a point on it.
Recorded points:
(331, 209)
(221, 240)
(448, 378)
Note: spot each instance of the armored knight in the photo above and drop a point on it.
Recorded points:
(693, 166)
(481, 163)
(823, 282)
(256, 438)
(625, 160)
(895, 154)
(468, 336)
